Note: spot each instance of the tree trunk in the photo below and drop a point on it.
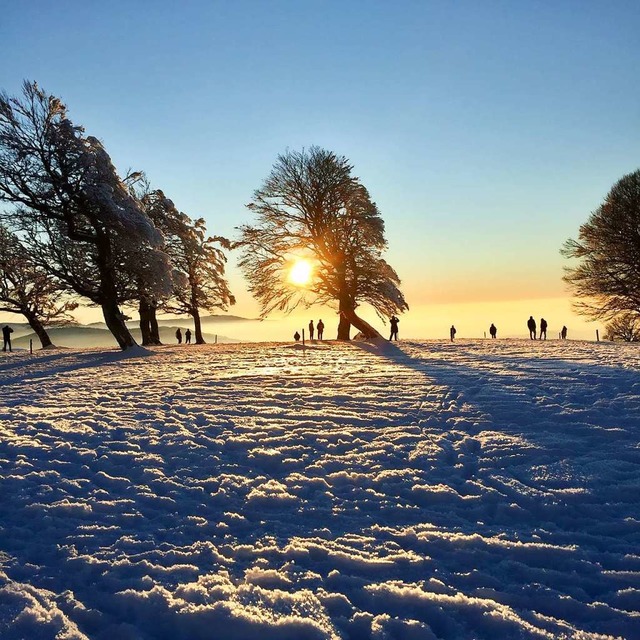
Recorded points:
(198, 326)
(345, 310)
(109, 292)
(145, 322)
(344, 327)
(153, 322)
(362, 325)
(38, 329)
(115, 323)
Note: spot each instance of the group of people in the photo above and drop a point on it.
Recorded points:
(531, 325)
(312, 331)
(187, 336)
(319, 328)
(493, 330)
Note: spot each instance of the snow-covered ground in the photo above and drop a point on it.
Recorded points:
(412, 491)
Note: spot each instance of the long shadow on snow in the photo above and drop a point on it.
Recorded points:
(77, 360)
(561, 437)
(463, 469)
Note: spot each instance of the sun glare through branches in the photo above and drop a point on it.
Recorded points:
(300, 272)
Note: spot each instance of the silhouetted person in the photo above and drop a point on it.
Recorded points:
(310, 329)
(296, 336)
(452, 333)
(320, 327)
(543, 328)
(6, 337)
(187, 336)
(179, 336)
(493, 331)
(393, 321)
(563, 333)
(531, 323)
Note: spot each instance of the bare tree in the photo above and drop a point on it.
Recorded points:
(311, 207)
(198, 262)
(624, 327)
(606, 277)
(28, 290)
(202, 260)
(72, 209)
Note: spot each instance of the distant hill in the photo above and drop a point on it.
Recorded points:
(181, 321)
(216, 317)
(81, 336)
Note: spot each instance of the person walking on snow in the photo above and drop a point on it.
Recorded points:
(393, 321)
(452, 333)
(6, 337)
(310, 329)
(543, 328)
(187, 336)
(179, 335)
(563, 333)
(320, 327)
(493, 331)
(531, 323)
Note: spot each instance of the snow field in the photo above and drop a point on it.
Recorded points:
(413, 491)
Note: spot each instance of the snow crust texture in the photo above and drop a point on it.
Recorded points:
(417, 491)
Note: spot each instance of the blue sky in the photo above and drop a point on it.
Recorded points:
(486, 131)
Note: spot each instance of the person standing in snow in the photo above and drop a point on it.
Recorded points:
(179, 335)
(452, 333)
(6, 337)
(187, 336)
(531, 323)
(320, 326)
(543, 328)
(310, 329)
(493, 330)
(563, 333)
(393, 321)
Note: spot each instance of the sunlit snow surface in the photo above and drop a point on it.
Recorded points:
(426, 490)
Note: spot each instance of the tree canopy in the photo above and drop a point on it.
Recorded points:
(198, 261)
(606, 276)
(625, 327)
(80, 221)
(27, 289)
(312, 208)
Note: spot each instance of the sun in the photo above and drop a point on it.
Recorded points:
(300, 272)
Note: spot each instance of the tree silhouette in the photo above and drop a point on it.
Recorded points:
(607, 276)
(311, 207)
(70, 206)
(197, 259)
(624, 327)
(28, 290)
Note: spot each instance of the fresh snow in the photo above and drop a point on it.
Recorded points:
(410, 491)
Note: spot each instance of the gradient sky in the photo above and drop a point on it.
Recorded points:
(485, 131)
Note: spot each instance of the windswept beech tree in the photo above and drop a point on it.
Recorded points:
(70, 206)
(201, 260)
(312, 209)
(624, 327)
(27, 289)
(607, 274)
(198, 261)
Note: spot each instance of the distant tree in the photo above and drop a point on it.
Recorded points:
(70, 206)
(624, 327)
(312, 207)
(198, 261)
(607, 275)
(202, 260)
(28, 290)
